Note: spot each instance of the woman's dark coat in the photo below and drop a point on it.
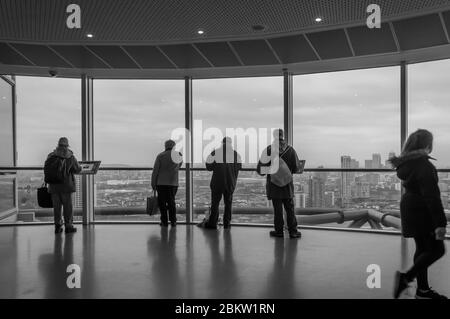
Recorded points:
(420, 207)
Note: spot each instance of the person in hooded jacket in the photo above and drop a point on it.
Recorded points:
(422, 213)
(62, 193)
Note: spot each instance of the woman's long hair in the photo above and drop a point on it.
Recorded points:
(419, 140)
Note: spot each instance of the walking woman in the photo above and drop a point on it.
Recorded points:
(421, 210)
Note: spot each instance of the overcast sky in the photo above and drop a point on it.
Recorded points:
(352, 113)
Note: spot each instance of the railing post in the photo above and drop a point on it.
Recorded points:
(189, 145)
(87, 141)
(288, 112)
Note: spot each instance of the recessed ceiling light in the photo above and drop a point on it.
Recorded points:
(201, 32)
(90, 35)
(318, 19)
(258, 27)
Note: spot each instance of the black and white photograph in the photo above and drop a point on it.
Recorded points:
(224, 159)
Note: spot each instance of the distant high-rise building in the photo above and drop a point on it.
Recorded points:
(368, 164)
(300, 200)
(316, 191)
(387, 163)
(376, 161)
(329, 199)
(361, 188)
(346, 180)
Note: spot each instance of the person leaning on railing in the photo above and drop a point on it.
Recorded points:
(422, 213)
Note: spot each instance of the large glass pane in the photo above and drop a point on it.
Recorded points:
(351, 113)
(429, 98)
(6, 125)
(47, 108)
(133, 119)
(347, 120)
(247, 110)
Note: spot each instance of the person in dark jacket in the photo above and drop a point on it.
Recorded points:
(62, 193)
(422, 214)
(165, 182)
(225, 164)
(280, 195)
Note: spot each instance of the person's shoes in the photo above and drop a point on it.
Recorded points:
(226, 226)
(400, 284)
(70, 229)
(274, 233)
(295, 235)
(58, 230)
(164, 224)
(429, 294)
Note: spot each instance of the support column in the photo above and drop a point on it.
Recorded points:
(87, 141)
(288, 106)
(403, 102)
(403, 137)
(189, 146)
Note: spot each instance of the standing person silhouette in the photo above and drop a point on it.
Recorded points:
(165, 182)
(279, 183)
(421, 210)
(225, 164)
(59, 168)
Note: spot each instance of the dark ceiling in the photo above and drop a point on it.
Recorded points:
(162, 34)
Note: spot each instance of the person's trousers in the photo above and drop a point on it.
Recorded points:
(216, 197)
(288, 204)
(428, 250)
(166, 203)
(62, 201)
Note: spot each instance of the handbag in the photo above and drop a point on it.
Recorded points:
(44, 197)
(152, 205)
(283, 176)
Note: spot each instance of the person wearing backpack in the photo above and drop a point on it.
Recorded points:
(279, 162)
(59, 170)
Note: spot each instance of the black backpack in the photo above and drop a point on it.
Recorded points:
(55, 170)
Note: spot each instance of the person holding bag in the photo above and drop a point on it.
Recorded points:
(279, 162)
(165, 182)
(59, 170)
(422, 213)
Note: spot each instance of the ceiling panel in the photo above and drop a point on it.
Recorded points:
(79, 56)
(149, 57)
(330, 44)
(367, 41)
(9, 56)
(185, 56)
(41, 55)
(163, 21)
(254, 52)
(218, 53)
(114, 56)
(293, 49)
(420, 32)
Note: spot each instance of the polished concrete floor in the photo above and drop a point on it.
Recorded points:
(146, 261)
